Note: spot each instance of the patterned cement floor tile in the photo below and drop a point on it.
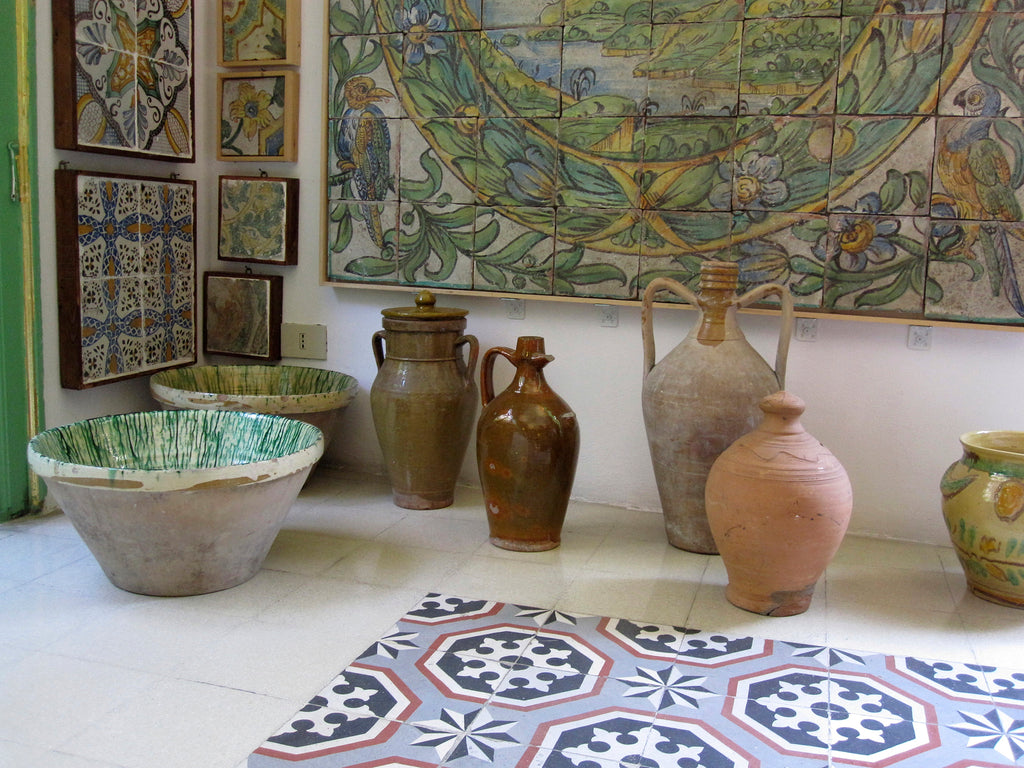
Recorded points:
(462, 682)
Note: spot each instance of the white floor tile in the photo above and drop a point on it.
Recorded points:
(202, 681)
(179, 724)
(22, 756)
(47, 698)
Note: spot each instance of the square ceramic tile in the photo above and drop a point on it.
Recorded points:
(531, 61)
(709, 50)
(875, 262)
(901, 181)
(510, 256)
(372, 226)
(975, 269)
(787, 60)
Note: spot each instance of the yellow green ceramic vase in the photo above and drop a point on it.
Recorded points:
(982, 502)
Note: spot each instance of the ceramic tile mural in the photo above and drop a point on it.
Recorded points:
(126, 276)
(868, 154)
(123, 77)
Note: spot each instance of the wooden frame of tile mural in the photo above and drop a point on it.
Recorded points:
(258, 115)
(126, 275)
(258, 220)
(869, 154)
(242, 314)
(259, 33)
(122, 78)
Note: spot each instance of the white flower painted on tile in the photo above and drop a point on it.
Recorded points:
(473, 734)
(666, 687)
(993, 730)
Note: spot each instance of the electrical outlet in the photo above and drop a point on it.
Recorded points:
(515, 309)
(608, 315)
(919, 337)
(806, 329)
(308, 341)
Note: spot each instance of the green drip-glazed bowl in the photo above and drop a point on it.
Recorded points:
(177, 502)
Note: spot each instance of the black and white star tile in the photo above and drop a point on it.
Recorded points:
(462, 682)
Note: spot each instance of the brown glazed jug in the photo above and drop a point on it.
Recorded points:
(527, 445)
(778, 503)
(704, 394)
(423, 400)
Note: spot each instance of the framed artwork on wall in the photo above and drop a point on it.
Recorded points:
(258, 115)
(258, 220)
(126, 276)
(259, 33)
(122, 78)
(243, 315)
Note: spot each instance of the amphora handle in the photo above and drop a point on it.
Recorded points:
(647, 312)
(474, 351)
(786, 329)
(751, 296)
(378, 348)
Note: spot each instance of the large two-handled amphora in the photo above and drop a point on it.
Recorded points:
(704, 394)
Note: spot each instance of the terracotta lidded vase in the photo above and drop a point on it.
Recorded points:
(527, 447)
(983, 506)
(704, 394)
(423, 400)
(778, 503)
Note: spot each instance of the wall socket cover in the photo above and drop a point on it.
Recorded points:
(306, 341)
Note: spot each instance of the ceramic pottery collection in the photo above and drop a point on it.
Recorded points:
(704, 394)
(423, 400)
(527, 448)
(982, 502)
(778, 503)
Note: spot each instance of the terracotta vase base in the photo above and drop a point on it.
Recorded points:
(518, 545)
(422, 501)
(783, 603)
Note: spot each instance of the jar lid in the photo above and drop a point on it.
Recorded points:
(425, 310)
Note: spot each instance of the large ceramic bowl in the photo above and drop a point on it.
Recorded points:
(177, 502)
(313, 395)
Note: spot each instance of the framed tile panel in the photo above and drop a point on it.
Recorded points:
(259, 33)
(242, 315)
(126, 276)
(258, 220)
(122, 78)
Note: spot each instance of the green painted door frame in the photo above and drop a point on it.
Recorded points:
(20, 370)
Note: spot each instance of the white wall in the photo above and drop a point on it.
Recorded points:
(890, 414)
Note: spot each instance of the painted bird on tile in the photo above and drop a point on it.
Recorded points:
(975, 171)
(364, 148)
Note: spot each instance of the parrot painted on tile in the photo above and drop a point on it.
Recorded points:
(976, 173)
(364, 148)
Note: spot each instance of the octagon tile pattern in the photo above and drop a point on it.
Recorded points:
(462, 682)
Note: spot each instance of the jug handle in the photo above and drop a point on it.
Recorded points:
(785, 332)
(487, 371)
(647, 312)
(474, 350)
(378, 348)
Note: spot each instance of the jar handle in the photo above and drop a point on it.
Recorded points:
(487, 371)
(785, 332)
(647, 312)
(474, 350)
(378, 348)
